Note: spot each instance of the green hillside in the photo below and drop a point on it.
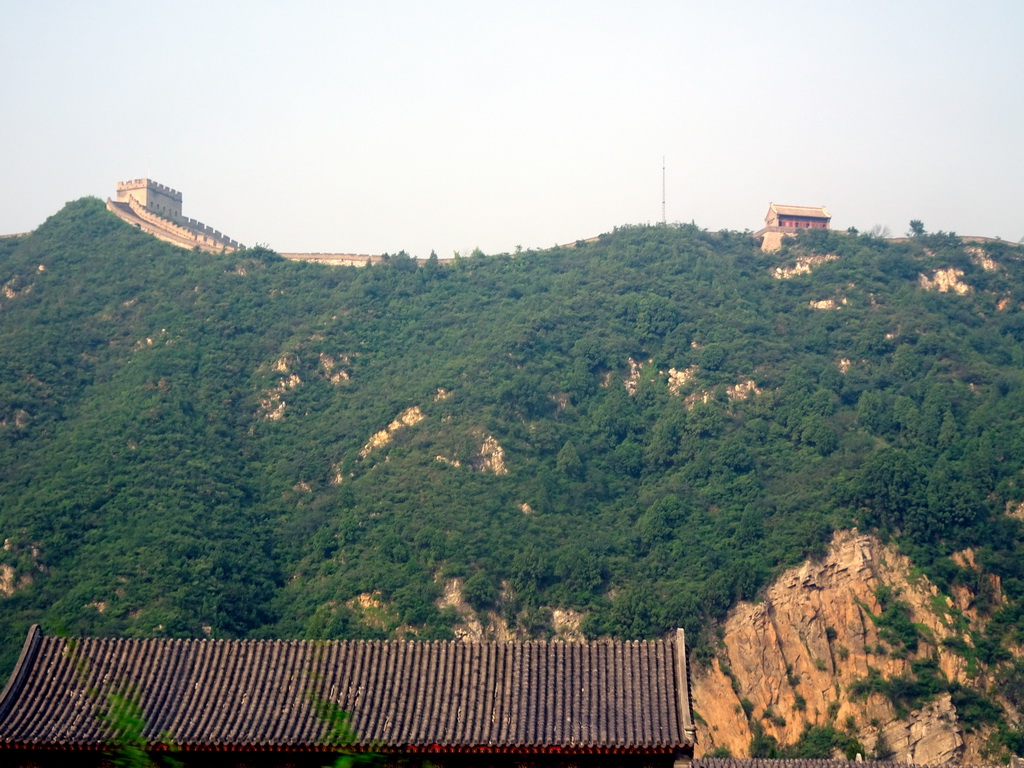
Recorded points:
(185, 438)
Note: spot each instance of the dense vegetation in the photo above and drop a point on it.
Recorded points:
(182, 440)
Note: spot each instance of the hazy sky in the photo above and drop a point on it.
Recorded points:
(379, 126)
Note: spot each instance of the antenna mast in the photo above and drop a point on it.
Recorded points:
(663, 219)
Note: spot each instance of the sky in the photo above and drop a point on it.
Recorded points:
(376, 127)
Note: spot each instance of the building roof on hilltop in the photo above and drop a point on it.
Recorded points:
(275, 695)
(814, 211)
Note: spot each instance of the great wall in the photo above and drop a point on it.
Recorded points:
(156, 209)
(336, 259)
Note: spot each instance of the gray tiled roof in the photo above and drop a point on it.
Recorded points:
(266, 694)
(815, 211)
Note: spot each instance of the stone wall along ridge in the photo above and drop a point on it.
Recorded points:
(195, 229)
(202, 237)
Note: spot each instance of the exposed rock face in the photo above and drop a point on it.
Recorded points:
(372, 611)
(803, 266)
(337, 477)
(944, 281)
(491, 457)
(740, 391)
(979, 256)
(21, 418)
(567, 624)
(11, 578)
(407, 418)
(829, 303)
(743, 390)
(469, 626)
(328, 365)
(791, 659)
(929, 736)
(679, 379)
(14, 288)
(8, 582)
(491, 625)
(1015, 509)
(272, 404)
(632, 381)
(697, 397)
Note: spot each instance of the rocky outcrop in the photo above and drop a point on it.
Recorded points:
(9, 583)
(492, 626)
(271, 403)
(944, 281)
(18, 419)
(331, 369)
(632, 381)
(828, 303)
(980, 258)
(930, 735)
(407, 418)
(792, 660)
(371, 609)
(804, 265)
(22, 562)
(702, 396)
(468, 627)
(1015, 509)
(15, 287)
(679, 379)
(491, 457)
(742, 391)
(568, 624)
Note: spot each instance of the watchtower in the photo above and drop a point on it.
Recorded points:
(153, 196)
(156, 209)
(786, 220)
(797, 216)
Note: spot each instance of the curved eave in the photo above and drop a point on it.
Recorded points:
(21, 670)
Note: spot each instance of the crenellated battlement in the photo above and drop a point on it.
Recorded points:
(138, 184)
(156, 209)
(151, 195)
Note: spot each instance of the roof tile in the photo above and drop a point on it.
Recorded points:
(401, 695)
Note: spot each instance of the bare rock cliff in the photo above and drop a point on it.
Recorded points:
(790, 661)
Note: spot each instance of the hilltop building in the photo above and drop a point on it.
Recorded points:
(451, 704)
(152, 196)
(786, 220)
(156, 209)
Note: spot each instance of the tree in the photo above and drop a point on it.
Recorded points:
(916, 228)
(568, 461)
